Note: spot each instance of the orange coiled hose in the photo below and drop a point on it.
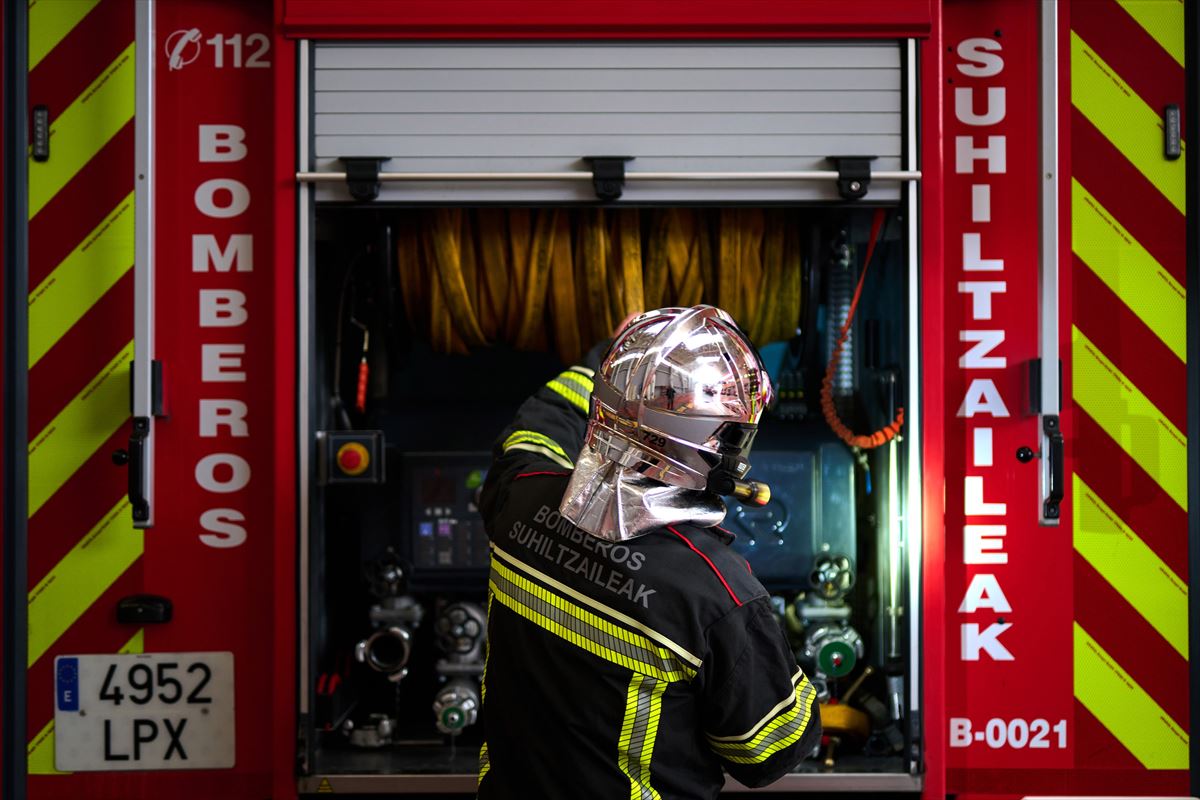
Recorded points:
(888, 432)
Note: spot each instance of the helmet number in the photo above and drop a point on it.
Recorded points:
(653, 439)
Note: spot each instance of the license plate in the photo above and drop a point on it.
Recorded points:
(148, 711)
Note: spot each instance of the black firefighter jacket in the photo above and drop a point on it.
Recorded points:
(622, 670)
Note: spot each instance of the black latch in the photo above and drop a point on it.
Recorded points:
(608, 175)
(156, 388)
(362, 175)
(40, 146)
(854, 175)
(144, 609)
(1054, 467)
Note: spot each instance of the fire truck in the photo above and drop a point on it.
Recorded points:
(276, 274)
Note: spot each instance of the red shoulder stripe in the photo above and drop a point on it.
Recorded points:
(708, 561)
(531, 474)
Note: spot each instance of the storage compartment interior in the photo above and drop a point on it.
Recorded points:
(430, 325)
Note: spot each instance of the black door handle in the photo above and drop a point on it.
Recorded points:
(137, 469)
(1054, 466)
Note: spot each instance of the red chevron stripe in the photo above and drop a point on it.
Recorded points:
(82, 501)
(97, 631)
(81, 56)
(80, 354)
(1133, 54)
(1095, 746)
(1126, 635)
(1131, 493)
(1127, 194)
(81, 205)
(1130, 344)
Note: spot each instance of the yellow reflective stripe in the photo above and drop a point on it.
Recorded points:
(564, 590)
(1163, 20)
(583, 629)
(83, 574)
(573, 397)
(485, 763)
(780, 734)
(1129, 417)
(49, 23)
(83, 128)
(82, 278)
(1123, 117)
(1129, 270)
(786, 702)
(39, 753)
(565, 463)
(639, 728)
(1129, 713)
(535, 438)
(582, 381)
(1133, 569)
(80, 428)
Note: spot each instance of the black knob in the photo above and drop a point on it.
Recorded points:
(120, 457)
(1024, 455)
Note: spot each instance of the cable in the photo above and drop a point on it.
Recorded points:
(888, 432)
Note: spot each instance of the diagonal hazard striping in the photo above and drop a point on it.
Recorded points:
(40, 750)
(1122, 410)
(60, 598)
(49, 23)
(61, 300)
(1116, 331)
(75, 433)
(1133, 569)
(1129, 270)
(1163, 20)
(1131, 493)
(1123, 707)
(1124, 119)
(1130, 641)
(82, 129)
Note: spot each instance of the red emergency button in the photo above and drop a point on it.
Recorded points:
(353, 458)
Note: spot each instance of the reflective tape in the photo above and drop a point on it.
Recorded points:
(71, 438)
(1129, 417)
(49, 23)
(1125, 119)
(1133, 569)
(1125, 709)
(570, 395)
(76, 284)
(779, 733)
(536, 442)
(639, 729)
(1129, 270)
(81, 576)
(1163, 20)
(83, 128)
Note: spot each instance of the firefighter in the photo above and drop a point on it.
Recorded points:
(631, 651)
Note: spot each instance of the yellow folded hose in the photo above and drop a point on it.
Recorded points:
(562, 279)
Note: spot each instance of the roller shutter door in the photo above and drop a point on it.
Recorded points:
(674, 107)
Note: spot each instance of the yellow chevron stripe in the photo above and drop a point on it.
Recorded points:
(1123, 117)
(82, 129)
(72, 437)
(49, 23)
(1125, 709)
(1162, 19)
(1129, 417)
(80, 280)
(40, 752)
(1133, 569)
(83, 574)
(1128, 269)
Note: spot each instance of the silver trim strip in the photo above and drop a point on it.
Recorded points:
(913, 530)
(1048, 344)
(303, 355)
(143, 238)
(801, 175)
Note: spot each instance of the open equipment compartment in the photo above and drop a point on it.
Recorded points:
(731, 198)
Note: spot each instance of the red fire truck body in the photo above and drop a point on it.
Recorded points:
(1042, 188)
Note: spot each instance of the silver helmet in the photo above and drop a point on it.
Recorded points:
(675, 408)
